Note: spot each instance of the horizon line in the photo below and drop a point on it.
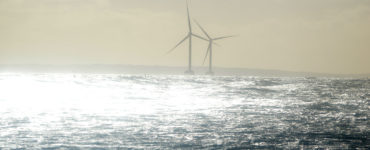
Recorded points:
(219, 67)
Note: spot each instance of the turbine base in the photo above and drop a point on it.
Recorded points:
(189, 72)
(210, 73)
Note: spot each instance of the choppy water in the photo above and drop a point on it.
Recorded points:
(73, 111)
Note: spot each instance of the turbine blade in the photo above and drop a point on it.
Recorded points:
(223, 37)
(178, 44)
(199, 37)
(204, 31)
(209, 47)
(187, 9)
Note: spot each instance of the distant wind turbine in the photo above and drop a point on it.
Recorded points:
(189, 36)
(209, 49)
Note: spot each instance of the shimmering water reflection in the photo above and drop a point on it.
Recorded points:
(166, 112)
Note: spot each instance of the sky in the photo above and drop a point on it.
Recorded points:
(324, 36)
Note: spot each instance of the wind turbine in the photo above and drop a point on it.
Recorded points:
(189, 36)
(209, 49)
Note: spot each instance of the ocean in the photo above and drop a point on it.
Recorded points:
(118, 111)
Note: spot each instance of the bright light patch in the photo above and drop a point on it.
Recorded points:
(102, 94)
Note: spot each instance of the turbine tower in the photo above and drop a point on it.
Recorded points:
(189, 36)
(209, 49)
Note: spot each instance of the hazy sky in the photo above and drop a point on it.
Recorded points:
(330, 36)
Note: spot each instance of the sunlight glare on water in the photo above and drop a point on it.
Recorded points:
(164, 111)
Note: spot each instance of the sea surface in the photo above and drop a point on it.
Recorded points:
(112, 111)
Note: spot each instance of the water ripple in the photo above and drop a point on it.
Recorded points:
(87, 111)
